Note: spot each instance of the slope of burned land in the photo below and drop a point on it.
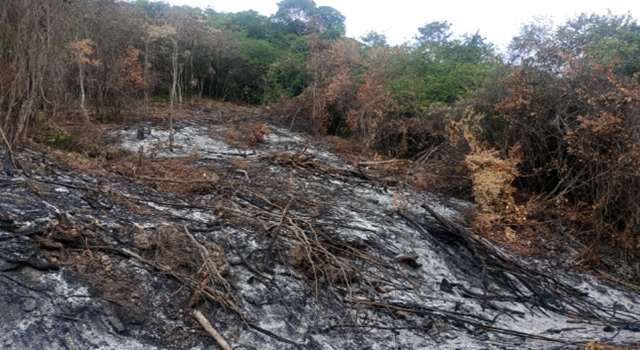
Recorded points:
(280, 243)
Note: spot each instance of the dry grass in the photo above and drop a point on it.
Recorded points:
(177, 175)
(71, 245)
(180, 253)
(201, 267)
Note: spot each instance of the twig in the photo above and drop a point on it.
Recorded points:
(243, 172)
(197, 292)
(426, 155)
(274, 336)
(204, 252)
(211, 330)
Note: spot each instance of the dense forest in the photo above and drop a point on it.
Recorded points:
(545, 137)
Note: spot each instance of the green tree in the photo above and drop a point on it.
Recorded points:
(439, 68)
(303, 17)
(295, 14)
(437, 32)
(374, 39)
(329, 22)
(605, 39)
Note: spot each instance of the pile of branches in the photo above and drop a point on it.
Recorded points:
(293, 237)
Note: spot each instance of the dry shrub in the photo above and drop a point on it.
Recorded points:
(343, 101)
(248, 134)
(326, 103)
(409, 137)
(373, 101)
(223, 110)
(78, 145)
(441, 169)
(579, 133)
(72, 134)
(334, 85)
(346, 147)
(592, 345)
(492, 177)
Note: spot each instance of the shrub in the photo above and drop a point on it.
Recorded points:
(579, 133)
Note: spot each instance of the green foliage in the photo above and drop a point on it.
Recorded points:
(434, 33)
(295, 14)
(279, 72)
(440, 69)
(59, 139)
(304, 17)
(286, 78)
(609, 39)
(259, 59)
(329, 22)
(373, 39)
(605, 39)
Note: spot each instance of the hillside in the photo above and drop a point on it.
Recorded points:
(280, 245)
(178, 177)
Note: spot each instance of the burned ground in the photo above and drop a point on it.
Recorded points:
(280, 243)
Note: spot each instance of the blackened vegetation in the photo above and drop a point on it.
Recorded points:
(296, 251)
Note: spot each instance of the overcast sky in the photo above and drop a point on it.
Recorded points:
(497, 20)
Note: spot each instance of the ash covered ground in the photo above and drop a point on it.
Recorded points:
(286, 247)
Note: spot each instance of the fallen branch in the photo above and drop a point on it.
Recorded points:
(175, 181)
(382, 162)
(611, 278)
(211, 330)
(460, 318)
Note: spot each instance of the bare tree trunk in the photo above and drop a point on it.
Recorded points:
(174, 74)
(191, 76)
(180, 84)
(83, 108)
(146, 77)
(174, 86)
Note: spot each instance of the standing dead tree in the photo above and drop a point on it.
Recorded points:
(82, 51)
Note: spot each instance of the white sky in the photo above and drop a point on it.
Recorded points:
(498, 20)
